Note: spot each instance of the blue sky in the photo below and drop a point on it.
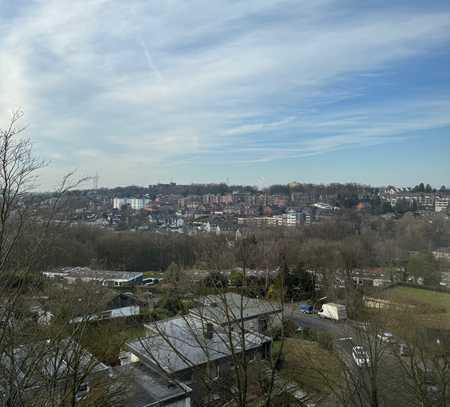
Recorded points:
(253, 92)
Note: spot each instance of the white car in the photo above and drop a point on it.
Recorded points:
(360, 356)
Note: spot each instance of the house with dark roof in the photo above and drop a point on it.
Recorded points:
(192, 351)
(120, 305)
(148, 388)
(229, 309)
(58, 369)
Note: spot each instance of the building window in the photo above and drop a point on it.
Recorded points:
(262, 325)
(83, 390)
(214, 371)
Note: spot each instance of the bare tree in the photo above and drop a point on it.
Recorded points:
(425, 361)
(42, 361)
(225, 330)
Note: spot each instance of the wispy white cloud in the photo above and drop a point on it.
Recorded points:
(130, 88)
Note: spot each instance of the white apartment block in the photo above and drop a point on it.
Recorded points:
(291, 218)
(441, 203)
(134, 203)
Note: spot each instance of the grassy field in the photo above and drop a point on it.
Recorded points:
(302, 362)
(432, 307)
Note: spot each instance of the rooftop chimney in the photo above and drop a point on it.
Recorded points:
(209, 332)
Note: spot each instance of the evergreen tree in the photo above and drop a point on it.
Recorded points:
(305, 279)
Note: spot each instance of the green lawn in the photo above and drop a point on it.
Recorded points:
(306, 363)
(432, 307)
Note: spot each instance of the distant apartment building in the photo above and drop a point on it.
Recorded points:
(307, 217)
(226, 199)
(279, 200)
(426, 201)
(290, 218)
(255, 221)
(134, 203)
(243, 197)
(211, 199)
(441, 203)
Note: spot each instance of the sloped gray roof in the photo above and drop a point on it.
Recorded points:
(180, 343)
(231, 307)
(39, 361)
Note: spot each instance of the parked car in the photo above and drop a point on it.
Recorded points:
(306, 308)
(360, 356)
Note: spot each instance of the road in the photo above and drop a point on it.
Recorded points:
(390, 378)
(312, 321)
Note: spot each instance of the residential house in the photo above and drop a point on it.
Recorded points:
(56, 369)
(120, 305)
(230, 309)
(197, 353)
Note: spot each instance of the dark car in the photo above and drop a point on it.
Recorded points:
(306, 308)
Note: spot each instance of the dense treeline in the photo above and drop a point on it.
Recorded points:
(133, 251)
(347, 189)
(368, 241)
(166, 189)
(339, 189)
(342, 191)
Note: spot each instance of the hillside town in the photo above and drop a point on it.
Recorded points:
(232, 203)
(176, 208)
(312, 314)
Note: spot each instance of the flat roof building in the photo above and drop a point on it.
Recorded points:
(105, 277)
(147, 388)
